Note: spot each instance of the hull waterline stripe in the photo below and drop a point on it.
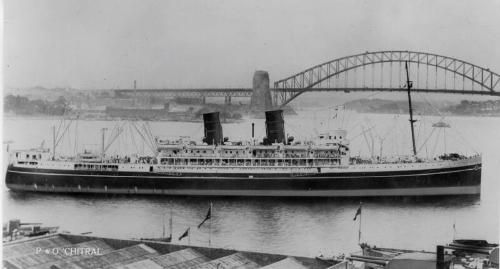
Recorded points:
(467, 190)
(289, 177)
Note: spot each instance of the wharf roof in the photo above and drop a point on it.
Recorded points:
(134, 254)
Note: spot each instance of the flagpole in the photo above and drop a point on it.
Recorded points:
(171, 226)
(360, 214)
(210, 226)
(454, 230)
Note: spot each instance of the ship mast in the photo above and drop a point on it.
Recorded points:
(103, 150)
(409, 84)
(53, 142)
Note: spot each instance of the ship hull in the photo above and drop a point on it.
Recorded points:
(459, 180)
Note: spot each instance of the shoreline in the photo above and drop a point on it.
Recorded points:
(31, 117)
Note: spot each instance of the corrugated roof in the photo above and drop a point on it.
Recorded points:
(180, 256)
(134, 254)
(236, 260)
(128, 254)
(36, 260)
(144, 264)
(12, 249)
(288, 263)
(167, 260)
(188, 263)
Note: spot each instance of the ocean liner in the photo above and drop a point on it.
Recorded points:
(274, 166)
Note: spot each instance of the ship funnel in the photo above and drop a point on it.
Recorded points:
(275, 127)
(213, 129)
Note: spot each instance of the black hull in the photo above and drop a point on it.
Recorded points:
(462, 180)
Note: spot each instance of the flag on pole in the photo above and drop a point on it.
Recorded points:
(209, 215)
(358, 212)
(186, 233)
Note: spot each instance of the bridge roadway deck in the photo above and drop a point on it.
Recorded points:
(189, 92)
(247, 92)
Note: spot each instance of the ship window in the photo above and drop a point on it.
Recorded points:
(330, 137)
(204, 151)
(335, 137)
(340, 137)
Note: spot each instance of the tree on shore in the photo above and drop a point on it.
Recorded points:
(23, 106)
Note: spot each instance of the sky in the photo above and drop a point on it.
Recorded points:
(107, 44)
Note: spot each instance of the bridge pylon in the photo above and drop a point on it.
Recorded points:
(261, 96)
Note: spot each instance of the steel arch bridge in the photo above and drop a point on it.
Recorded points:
(365, 72)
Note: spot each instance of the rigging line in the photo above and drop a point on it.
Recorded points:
(465, 140)
(115, 129)
(75, 149)
(141, 135)
(427, 101)
(362, 133)
(69, 144)
(112, 139)
(442, 117)
(150, 142)
(343, 116)
(392, 127)
(63, 133)
(356, 124)
(146, 133)
(150, 132)
(123, 139)
(420, 126)
(427, 139)
(112, 132)
(435, 143)
(131, 134)
(152, 136)
(153, 142)
(59, 127)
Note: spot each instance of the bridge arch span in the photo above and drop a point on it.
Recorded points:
(286, 90)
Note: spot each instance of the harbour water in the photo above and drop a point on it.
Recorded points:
(304, 227)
